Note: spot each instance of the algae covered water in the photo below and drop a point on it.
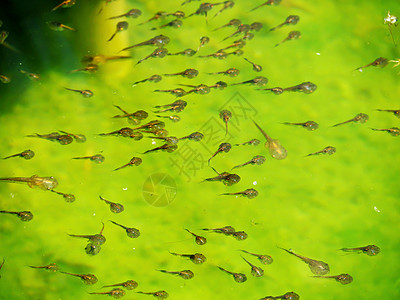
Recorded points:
(310, 205)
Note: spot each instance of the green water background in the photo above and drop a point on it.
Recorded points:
(312, 205)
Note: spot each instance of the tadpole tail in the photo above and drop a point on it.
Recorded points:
(229, 36)
(314, 153)
(57, 7)
(116, 17)
(257, 7)
(262, 131)
(211, 157)
(140, 81)
(112, 36)
(277, 27)
(15, 179)
(345, 122)
(14, 155)
(120, 167)
(134, 46)
(9, 212)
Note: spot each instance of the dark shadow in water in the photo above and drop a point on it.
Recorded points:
(40, 49)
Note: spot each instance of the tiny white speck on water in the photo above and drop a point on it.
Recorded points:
(12, 195)
(124, 188)
(318, 53)
(254, 182)
(376, 209)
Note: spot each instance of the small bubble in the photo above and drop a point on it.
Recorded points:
(318, 53)
(254, 182)
(376, 209)
(124, 188)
